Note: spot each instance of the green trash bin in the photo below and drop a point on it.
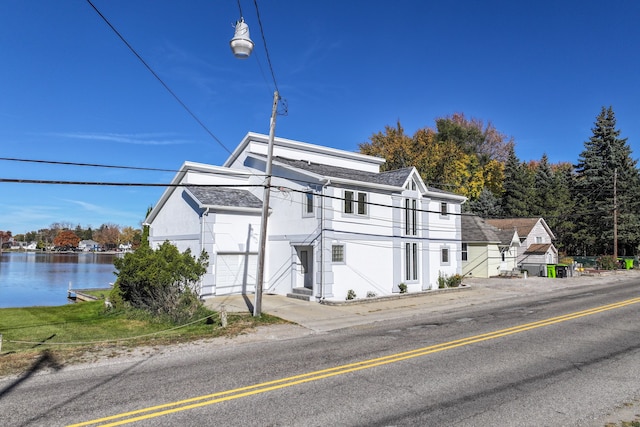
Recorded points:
(551, 271)
(628, 263)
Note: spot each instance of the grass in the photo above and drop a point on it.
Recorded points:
(70, 333)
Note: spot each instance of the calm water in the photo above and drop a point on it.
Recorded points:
(30, 279)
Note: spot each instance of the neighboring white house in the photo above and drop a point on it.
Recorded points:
(336, 222)
(88, 245)
(536, 238)
(486, 250)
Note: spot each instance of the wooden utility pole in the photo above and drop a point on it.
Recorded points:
(615, 214)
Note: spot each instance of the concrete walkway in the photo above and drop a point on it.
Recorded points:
(324, 317)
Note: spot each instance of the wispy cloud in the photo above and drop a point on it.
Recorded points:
(136, 139)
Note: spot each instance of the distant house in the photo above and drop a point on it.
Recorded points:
(486, 250)
(336, 223)
(536, 238)
(88, 246)
(125, 247)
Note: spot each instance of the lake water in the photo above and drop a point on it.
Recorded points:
(33, 279)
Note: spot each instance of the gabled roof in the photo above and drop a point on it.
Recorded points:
(522, 225)
(476, 230)
(395, 178)
(221, 196)
(204, 169)
(539, 248)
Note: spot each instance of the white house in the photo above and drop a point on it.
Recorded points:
(536, 242)
(336, 222)
(486, 250)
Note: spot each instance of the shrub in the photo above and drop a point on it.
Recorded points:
(371, 294)
(403, 288)
(351, 294)
(442, 281)
(607, 262)
(454, 281)
(163, 282)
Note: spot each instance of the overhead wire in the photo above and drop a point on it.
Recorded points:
(162, 82)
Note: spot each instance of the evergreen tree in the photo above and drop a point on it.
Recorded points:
(487, 205)
(543, 204)
(607, 182)
(515, 201)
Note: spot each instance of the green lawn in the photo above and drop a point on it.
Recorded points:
(69, 330)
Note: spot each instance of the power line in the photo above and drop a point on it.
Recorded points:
(264, 41)
(187, 109)
(95, 165)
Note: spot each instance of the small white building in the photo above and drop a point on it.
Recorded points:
(336, 222)
(486, 250)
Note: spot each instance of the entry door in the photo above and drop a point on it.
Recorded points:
(306, 261)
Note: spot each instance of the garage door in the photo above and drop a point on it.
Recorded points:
(236, 273)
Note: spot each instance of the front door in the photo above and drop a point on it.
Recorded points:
(305, 256)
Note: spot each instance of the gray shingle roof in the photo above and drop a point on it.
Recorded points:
(474, 229)
(395, 178)
(220, 196)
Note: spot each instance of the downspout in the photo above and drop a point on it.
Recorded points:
(325, 185)
(202, 237)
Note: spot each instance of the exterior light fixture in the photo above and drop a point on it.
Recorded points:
(241, 44)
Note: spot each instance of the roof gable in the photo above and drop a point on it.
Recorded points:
(522, 225)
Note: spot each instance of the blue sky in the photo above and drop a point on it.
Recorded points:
(71, 91)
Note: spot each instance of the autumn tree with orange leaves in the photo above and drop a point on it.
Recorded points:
(66, 239)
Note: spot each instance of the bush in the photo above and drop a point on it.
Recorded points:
(454, 281)
(442, 281)
(351, 294)
(403, 288)
(607, 262)
(163, 282)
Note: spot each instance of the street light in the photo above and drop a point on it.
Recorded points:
(241, 45)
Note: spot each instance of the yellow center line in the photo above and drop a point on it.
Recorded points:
(237, 393)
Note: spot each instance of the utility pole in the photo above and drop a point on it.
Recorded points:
(615, 214)
(257, 307)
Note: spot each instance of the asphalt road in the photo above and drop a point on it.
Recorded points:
(540, 360)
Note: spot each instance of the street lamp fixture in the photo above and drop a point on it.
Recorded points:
(241, 44)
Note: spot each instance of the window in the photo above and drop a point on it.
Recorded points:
(348, 202)
(308, 204)
(443, 209)
(444, 256)
(410, 217)
(411, 261)
(464, 252)
(538, 239)
(350, 199)
(337, 253)
(362, 203)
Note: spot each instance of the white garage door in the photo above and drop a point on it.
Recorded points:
(231, 275)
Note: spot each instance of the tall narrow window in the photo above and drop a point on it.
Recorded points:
(444, 256)
(410, 217)
(464, 252)
(348, 202)
(362, 203)
(308, 204)
(443, 209)
(411, 261)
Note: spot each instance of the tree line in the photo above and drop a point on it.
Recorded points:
(66, 235)
(590, 205)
